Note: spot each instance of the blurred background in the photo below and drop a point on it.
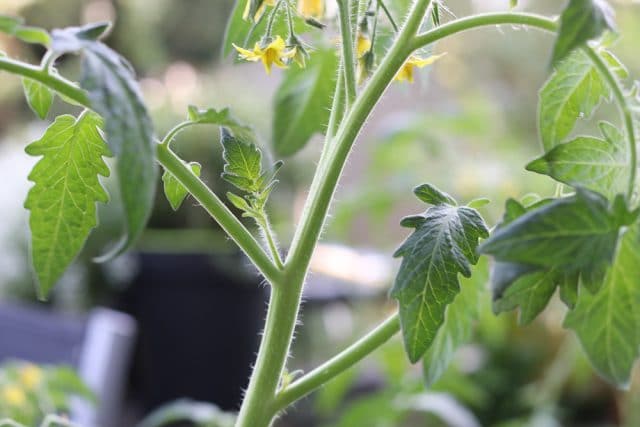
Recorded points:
(179, 317)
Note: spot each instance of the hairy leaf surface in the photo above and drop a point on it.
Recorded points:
(443, 244)
(303, 102)
(63, 200)
(608, 322)
(581, 21)
(457, 328)
(600, 164)
(573, 91)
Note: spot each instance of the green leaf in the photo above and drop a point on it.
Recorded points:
(221, 118)
(608, 322)
(456, 330)
(442, 245)
(197, 413)
(174, 190)
(599, 164)
(530, 292)
(243, 162)
(63, 200)
(575, 234)
(580, 22)
(14, 26)
(573, 91)
(39, 97)
(115, 95)
(431, 195)
(303, 102)
(8, 24)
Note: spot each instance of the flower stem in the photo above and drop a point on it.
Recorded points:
(348, 57)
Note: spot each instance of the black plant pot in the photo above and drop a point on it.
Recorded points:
(199, 322)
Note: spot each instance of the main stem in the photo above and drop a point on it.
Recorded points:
(259, 406)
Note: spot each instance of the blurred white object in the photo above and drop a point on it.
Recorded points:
(104, 366)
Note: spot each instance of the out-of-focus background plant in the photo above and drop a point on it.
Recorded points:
(478, 100)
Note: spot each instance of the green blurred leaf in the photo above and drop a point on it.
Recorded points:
(221, 118)
(63, 200)
(14, 26)
(580, 22)
(199, 413)
(64, 379)
(173, 190)
(39, 97)
(573, 91)
(531, 292)
(303, 102)
(599, 164)
(574, 234)
(8, 24)
(456, 330)
(608, 322)
(442, 245)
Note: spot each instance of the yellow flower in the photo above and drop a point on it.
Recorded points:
(259, 6)
(363, 45)
(406, 71)
(274, 53)
(30, 376)
(13, 395)
(311, 8)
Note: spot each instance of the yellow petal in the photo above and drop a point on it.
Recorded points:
(311, 8)
(363, 46)
(420, 62)
(278, 44)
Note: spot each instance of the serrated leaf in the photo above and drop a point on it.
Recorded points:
(431, 195)
(575, 234)
(530, 292)
(442, 245)
(456, 330)
(174, 190)
(221, 118)
(62, 202)
(303, 102)
(573, 91)
(580, 22)
(238, 202)
(608, 322)
(115, 95)
(243, 162)
(595, 163)
(39, 97)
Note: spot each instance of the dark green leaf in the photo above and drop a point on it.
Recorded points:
(173, 190)
(303, 102)
(63, 200)
(222, 118)
(431, 195)
(39, 97)
(598, 164)
(573, 91)
(608, 322)
(115, 95)
(530, 292)
(442, 245)
(581, 21)
(575, 234)
(458, 323)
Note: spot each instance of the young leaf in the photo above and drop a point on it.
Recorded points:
(243, 162)
(531, 292)
(63, 200)
(442, 245)
(575, 234)
(14, 27)
(458, 323)
(8, 24)
(598, 164)
(39, 97)
(431, 195)
(574, 90)
(608, 322)
(580, 22)
(173, 190)
(221, 118)
(303, 102)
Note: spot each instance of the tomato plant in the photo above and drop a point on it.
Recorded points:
(583, 241)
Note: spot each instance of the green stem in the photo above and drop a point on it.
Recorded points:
(219, 211)
(625, 112)
(272, 18)
(389, 16)
(340, 363)
(337, 107)
(348, 57)
(265, 225)
(166, 141)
